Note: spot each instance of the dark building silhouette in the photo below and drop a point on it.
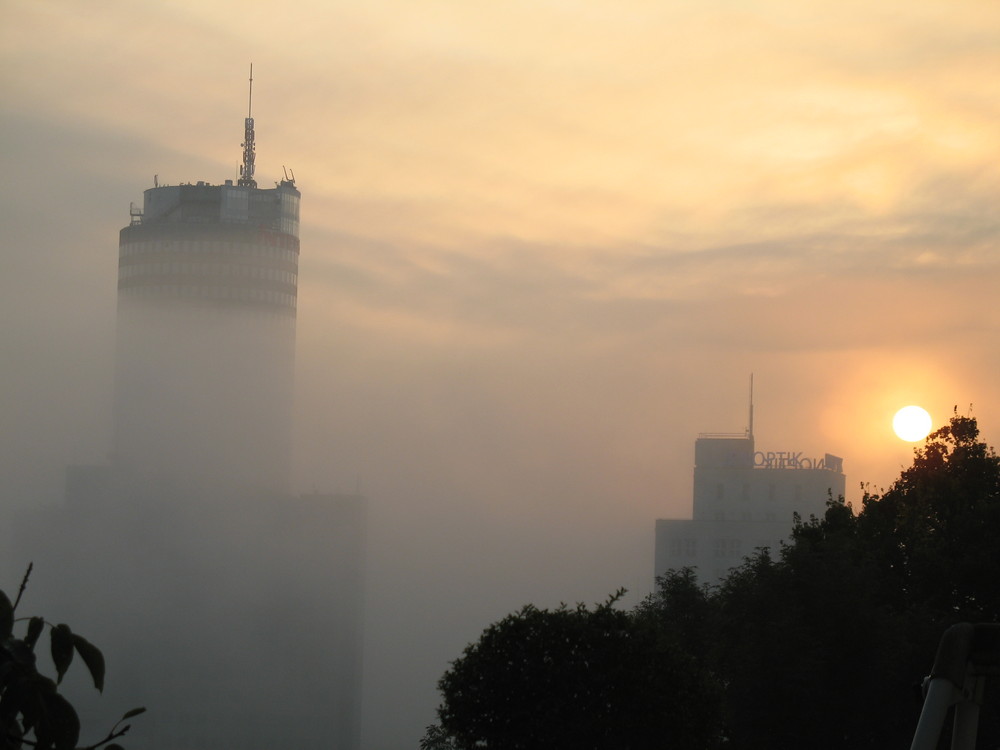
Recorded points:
(227, 606)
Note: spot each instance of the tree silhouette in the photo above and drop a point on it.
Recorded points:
(576, 678)
(822, 644)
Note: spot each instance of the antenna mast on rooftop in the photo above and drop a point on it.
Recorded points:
(246, 169)
(750, 426)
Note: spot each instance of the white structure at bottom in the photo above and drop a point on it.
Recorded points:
(743, 499)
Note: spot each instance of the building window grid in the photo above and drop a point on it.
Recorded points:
(685, 547)
(207, 247)
(726, 548)
(208, 269)
(210, 292)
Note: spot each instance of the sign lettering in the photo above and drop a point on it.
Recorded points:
(789, 460)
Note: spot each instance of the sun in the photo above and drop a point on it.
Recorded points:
(912, 423)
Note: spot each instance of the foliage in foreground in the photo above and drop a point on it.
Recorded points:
(32, 711)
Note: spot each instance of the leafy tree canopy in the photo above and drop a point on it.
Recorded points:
(822, 645)
(934, 529)
(575, 678)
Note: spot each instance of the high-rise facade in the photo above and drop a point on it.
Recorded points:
(743, 499)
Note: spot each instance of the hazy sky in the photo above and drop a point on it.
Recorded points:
(544, 244)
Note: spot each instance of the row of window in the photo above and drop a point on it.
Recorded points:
(228, 293)
(688, 547)
(772, 493)
(683, 547)
(721, 548)
(728, 548)
(744, 516)
(132, 270)
(252, 249)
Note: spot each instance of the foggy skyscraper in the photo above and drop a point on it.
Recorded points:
(229, 607)
(207, 283)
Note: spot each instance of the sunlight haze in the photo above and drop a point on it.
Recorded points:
(543, 246)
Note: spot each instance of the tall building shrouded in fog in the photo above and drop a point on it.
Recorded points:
(207, 287)
(743, 499)
(229, 607)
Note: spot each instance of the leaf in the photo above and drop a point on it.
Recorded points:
(63, 721)
(20, 656)
(113, 746)
(35, 625)
(93, 658)
(62, 649)
(133, 712)
(6, 617)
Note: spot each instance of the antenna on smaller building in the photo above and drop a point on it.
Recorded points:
(249, 152)
(750, 426)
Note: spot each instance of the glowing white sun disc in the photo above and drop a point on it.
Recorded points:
(912, 423)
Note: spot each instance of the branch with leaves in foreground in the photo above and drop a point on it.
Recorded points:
(32, 712)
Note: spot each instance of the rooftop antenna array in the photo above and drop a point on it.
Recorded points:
(246, 169)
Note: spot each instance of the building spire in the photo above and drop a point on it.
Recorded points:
(246, 169)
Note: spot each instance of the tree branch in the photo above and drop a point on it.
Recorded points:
(112, 735)
(24, 584)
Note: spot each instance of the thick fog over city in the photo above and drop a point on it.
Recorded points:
(543, 247)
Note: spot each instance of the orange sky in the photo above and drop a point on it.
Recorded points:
(544, 244)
